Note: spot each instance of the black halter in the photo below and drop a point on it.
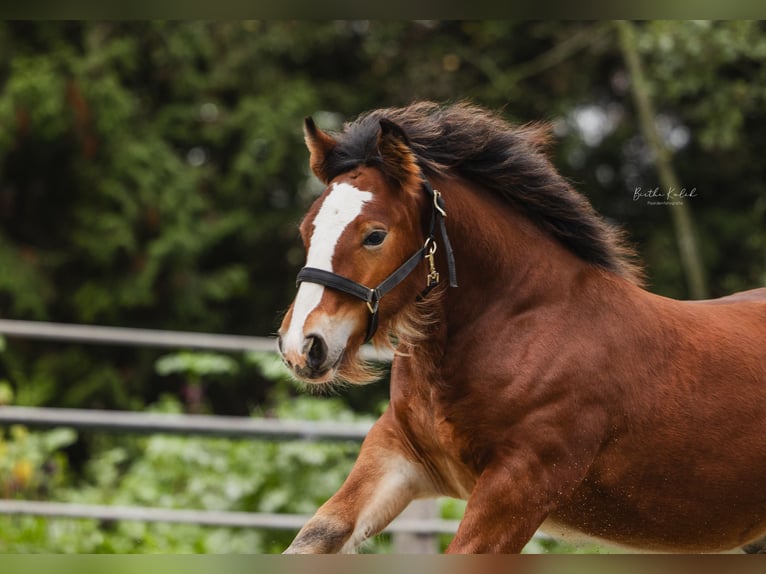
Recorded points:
(373, 296)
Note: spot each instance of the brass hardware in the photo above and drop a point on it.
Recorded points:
(433, 275)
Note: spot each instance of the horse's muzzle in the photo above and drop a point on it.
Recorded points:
(312, 363)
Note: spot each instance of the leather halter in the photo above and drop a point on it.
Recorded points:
(372, 296)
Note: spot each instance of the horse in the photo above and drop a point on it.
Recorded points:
(534, 374)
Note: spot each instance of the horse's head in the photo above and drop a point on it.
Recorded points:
(368, 221)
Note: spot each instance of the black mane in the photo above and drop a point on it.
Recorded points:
(480, 146)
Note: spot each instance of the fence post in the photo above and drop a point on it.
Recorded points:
(415, 542)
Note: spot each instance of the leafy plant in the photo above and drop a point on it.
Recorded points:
(32, 464)
(176, 472)
(194, 367)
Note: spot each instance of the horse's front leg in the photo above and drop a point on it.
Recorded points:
(516, 492)
(383, 481)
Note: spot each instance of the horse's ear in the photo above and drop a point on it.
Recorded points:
(399, 162)
(320, 144)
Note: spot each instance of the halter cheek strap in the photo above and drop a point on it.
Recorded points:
(372, 296)
(439, 213)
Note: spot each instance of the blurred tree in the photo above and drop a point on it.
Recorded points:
(148, 178)
(708, 80)
(682, 219)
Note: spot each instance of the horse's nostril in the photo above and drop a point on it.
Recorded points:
(316, 351)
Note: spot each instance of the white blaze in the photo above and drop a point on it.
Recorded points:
(342, 205)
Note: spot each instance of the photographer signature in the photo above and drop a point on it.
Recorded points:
(660, 195)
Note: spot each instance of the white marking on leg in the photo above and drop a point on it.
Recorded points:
(342, 205)
(403, 482)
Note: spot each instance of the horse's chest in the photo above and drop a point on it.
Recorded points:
(434, 429)
(453, 459)
(444, 450)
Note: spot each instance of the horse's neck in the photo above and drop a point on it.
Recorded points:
(501, 255)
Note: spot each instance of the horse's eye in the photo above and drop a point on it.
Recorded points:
(375, 237)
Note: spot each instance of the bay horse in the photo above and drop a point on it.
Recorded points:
(534, 375)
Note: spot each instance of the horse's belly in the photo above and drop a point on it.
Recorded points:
(653, 520)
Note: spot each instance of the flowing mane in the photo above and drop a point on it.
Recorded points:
(480, 146)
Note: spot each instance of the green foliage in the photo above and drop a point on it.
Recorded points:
(709, 80)
(22, 276)
(196, 364)
(32, 465)
(144, 168)
(218, 474)
(177, 472)
(6, 392)
(688, 62)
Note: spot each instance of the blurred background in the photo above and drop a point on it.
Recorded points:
(152, 175)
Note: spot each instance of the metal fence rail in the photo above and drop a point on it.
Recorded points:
(133, 337)
(150, 423)
(150, 337)
(401, 525)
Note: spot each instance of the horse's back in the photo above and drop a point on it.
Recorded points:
(740, 315)
(734, 326)
(753, 295)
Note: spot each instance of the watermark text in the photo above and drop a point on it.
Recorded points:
(659, 196)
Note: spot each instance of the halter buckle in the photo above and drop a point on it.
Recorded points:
(373, 302)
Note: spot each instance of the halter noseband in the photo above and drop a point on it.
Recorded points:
(372, 296)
